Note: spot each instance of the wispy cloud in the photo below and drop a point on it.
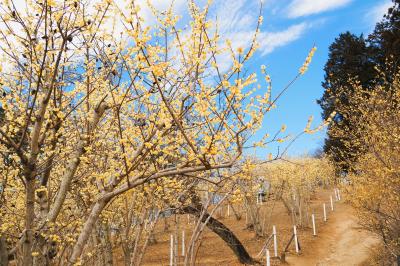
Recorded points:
(269, 41)
(376, 13)
(300, 8)
(237, 20)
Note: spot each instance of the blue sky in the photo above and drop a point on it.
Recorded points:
(290, 29)
(321, 21)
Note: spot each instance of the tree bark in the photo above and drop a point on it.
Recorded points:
(255, 217)
(224, 233)
(65, 183)
(150, 237)
(106, 245)
(3, 251)
(29, 219)
(87, 229)
(238, 216)
(73, 166)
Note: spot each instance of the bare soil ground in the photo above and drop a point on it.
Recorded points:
(339, 241)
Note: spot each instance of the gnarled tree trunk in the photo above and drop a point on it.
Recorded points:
(224, 233)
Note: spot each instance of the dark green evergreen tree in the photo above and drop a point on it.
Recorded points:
(354, 58)
(385, 40)
(349, 60)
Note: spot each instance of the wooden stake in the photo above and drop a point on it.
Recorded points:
(176, 251)
(228, 210)
(171, 251)
(331, 203)
(267, 257)
(275, 241)
(183, 243)
(324, 206)
(296, 242)
(313, 224)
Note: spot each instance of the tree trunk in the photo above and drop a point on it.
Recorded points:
(150, 238)
(87, 229)
(166, 225)
(66, 183)
(106, 244)
(3, 251)
(29, 219)
(224, 233)
(287, 206)
(255, 217)
(237, 215)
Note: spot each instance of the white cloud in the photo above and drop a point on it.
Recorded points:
(237, 20)
(269, 41)
(235, 15)
(300, 8)
(114, 21)
(376, 13)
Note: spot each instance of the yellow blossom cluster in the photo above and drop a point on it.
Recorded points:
(304, 67)
(108, 123)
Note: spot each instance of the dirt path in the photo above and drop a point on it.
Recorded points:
(340, 242)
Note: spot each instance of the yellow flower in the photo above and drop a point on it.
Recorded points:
(263, 68)
(225, 83)
(51, 3)
(157, 70)
(304, 67)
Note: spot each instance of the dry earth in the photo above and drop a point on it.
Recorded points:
(339, 241)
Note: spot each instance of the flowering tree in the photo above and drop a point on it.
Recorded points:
(93, 115)
(296, 181)
(374, 185)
